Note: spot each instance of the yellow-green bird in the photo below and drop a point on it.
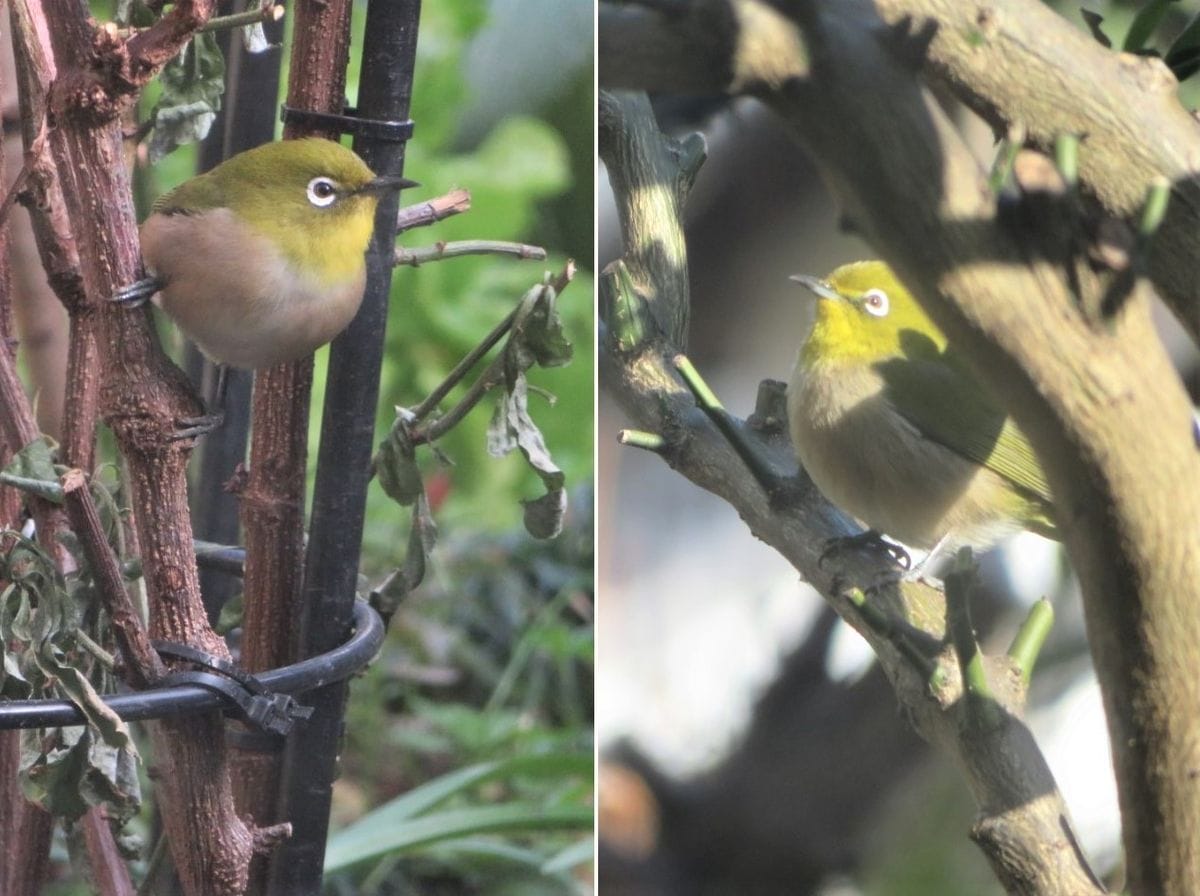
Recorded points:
(895, 430)
(261, 259)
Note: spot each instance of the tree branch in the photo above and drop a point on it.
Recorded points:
(109, 71)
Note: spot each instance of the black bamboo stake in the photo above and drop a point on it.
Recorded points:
(344, 462)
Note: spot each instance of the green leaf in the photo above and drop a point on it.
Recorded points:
(32, 470)
(543, 516)
(378, 840)
(578, 853)
(513, 428)
(422, 536)
(402, 823)
(542, 332)
(192, 85)
(78, 771)
(396, 463)
(424, 797)
(13, 684)
(1144, 24)
(1183, 57)
(111, 729)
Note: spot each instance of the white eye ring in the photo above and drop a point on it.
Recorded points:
(322, 192)
(876, 302)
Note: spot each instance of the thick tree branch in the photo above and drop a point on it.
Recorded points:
(1013, 61)
(1018, 61)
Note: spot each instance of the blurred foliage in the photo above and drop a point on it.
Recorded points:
(490, 663)
(1169, 29)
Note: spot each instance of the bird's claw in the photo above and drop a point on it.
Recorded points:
(870, 541)
(194, 427)
(138, 292)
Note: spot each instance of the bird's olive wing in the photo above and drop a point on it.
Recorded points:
(200, 194)
(948, 405)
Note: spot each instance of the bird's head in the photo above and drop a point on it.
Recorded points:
(866, 316)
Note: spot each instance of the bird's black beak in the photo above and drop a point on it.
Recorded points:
(385, 184)
(817, 286)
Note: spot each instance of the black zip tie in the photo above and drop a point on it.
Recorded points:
(349, 122)
(157, 703)
(275, 713)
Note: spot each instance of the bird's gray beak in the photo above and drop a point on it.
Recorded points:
(818, 287)
(385, 184)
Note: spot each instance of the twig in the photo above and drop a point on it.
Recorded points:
(1030, 637)
(455, 376)
(145, 666)
(438, 251)
(884, 625)
(489, 378)
(980, 705)
(447, 421)
(98, 653)
(725, 422)
(422, 215)
(647, 441)
(262, 16)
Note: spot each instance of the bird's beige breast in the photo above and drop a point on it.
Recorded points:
(872, 463)
(232, 292)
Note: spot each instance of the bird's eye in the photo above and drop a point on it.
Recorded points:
(322, 191)
(876, 302)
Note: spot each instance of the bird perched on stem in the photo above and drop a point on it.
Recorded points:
(895, 430)
(261, 260)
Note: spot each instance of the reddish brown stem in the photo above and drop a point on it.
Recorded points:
(141, 661)
(110, 876)
(273, 499)
(26, 828)
(425, 213)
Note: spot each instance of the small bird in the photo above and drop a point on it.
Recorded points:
(894, 429)
(261, 260)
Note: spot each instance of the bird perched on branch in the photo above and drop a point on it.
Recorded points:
(261, 259)
(895, 430)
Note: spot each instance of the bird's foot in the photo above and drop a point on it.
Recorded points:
(194, 427)
(138, 292)
(870, 541)
(924, 570)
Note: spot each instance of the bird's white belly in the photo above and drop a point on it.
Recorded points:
(873, 464)
(233, 293)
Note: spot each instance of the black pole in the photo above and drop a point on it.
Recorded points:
(343, 463)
